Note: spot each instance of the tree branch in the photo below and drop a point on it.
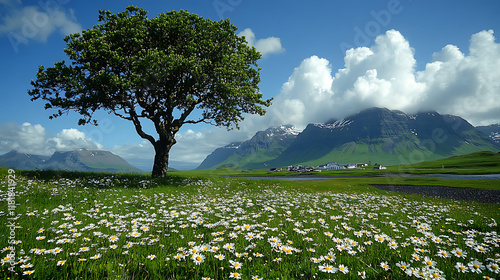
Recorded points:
(138, 127)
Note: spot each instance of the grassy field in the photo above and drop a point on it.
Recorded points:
(475, 163)
(201, 226)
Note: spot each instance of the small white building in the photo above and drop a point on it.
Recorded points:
(334, 166)
(379, 167)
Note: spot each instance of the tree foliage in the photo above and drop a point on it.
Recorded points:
(159, 69)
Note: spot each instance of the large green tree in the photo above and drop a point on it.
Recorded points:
(160, 70)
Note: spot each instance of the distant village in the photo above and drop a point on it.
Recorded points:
(328, 166)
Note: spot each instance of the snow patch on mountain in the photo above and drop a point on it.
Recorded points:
(338, 124)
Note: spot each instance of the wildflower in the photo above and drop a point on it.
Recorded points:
(428, 261)
(480, 249)
(315, 260)
(256, 278)
(220, 257)
(327, 268)
(135, 234)
(6, 260)
(26, 266)
(113, 246)
(461, 268)
(40, 237)
(151, 257)
(59, 263)
(404, 266)
(385, 266)
(82, 259)
(96, 256)
(229, 246)
(84, 249)
(379, 238)
(286, 249)
(235, 265)
(28, 272)
(194, 250)
(197, 258)
(214, 249)
(493, 267)
(113, 238)
(344, 269)
(443, 254)
(179, 257)
(459, 253)
(362, 274)
(330, 257)
(476, 266)
(235, 275)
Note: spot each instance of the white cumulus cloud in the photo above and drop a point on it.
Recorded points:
(384, 75)
(36, 22)
(33, 139)
(265, 46)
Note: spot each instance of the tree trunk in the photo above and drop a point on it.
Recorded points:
(160, 166)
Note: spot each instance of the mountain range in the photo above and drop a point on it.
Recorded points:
(77, 160)
(375, 135)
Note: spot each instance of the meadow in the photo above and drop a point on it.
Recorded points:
(102, 226)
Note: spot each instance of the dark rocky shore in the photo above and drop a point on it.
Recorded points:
(467, 194)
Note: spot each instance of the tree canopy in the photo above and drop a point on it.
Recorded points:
(159, 70)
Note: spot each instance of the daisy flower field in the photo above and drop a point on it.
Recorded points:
(98, 226)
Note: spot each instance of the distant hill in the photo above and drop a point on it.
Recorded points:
(17, 160)
(479, 160)
(375, 135)
(77, 160)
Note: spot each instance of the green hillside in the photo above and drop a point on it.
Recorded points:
(475, 163)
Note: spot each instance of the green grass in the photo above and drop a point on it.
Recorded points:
(474, 163)
(272, 229)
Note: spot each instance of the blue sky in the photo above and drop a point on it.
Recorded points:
(321, 60)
